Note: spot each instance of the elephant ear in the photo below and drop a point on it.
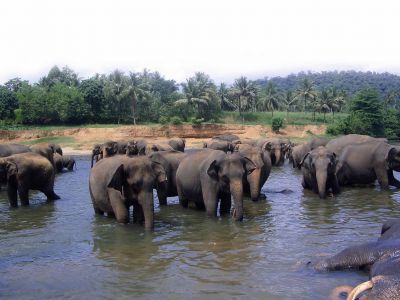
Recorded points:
(12, 170)
(303, 160)
(267, 146)
(116, 180)
(159, 171)
(213, 170)
(249, 165)
(392, 157)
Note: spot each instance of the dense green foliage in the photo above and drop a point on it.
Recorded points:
(277, 123)
(62, 97)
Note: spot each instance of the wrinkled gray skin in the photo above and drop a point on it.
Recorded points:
(10, 149)
(318, 168)
(177, 144)
(63, 161)
(227, 137)
(277, 149)
(364, 163)
(119, 182)
(381, 257)
(252, 183)
(132, 148)
(27, 171)
(337, 145)
(209, 175)
(219, 145)
(170, 161)
(296, 153)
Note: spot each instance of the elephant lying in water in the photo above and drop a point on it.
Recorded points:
(383, 259)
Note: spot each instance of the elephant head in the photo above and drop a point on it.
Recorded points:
(393, 159)
(320, 165)
(96, 152)
(275, 149)
(132, 148)
(7, 170)
(109, 149)
(229, 173)
(56, 148)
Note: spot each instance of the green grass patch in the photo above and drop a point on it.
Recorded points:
(51, 139)
(56, 127)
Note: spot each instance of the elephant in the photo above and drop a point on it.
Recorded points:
(277, 148)
(27, 171)
(141, 145)
(364, 163)
(132, 148)
(318, 168)
(337, 145)
(96, 154)
(318, 141)
(177, 144)
(10, 149)
(297, 153)
(227, 137)
(219, 145)
(119, 182)
(63, 161)
(252, 183)
(109, 148)
(158, 147)
(209, 175)
(382, 258)
(170, 161)
(44, 150)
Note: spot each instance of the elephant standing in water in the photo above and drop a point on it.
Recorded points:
(119, 182)
(27, 171)
(277, 149)
(10, 149)
(297, 153)
(381, 257)
(364, 163)
(337, 145)
(63, 161)
(318, 168)
(209, 175)
(219, 145)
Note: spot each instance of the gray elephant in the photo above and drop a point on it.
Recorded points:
(96, 154)
(10, 149)
(337, 145)
(297, 153)
(108, 149)
(227, 137)
(44, 150)
(119, 182)
(219, 145)
(63, 161)
(177, 144)
(318, 168)
(252, 183)
(277, 148)
(382, 258)
(364, 163)
(27, 171)
(170, 161)
(132, 148)
(209, 175)
(318, 141)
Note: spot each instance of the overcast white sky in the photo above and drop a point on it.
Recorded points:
(225, 39)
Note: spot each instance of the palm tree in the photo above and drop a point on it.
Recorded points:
(137, 89)
(224, 93)
(116, 88)
(245, 92)
(338, 101)
(289, 99)
(272, 98)
(307, 91)
(324, 102)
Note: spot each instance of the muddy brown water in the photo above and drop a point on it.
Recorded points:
(61, 250)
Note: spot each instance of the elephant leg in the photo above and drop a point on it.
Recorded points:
(50, 194)
(118, 205)
(23, 196)
(98, 211)
(382, 177)
(138, 215)
(225, 204)
(392, 180)
(200, 205)
(335, 186)
(304, 184)
(12, 194)
(183, 201)
(210, 199)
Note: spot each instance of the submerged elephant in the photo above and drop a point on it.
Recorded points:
(337, 145)
(27, 171)
(209, 175)
(318, 168)
(364, 163)
(381, 257)
(170, 161)
(10, 149)
(252, 183)
(63, 161)
(119, 182)
(177, 144)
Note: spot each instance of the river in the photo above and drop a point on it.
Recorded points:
(62, 250)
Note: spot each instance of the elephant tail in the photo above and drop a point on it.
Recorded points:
(359, 289)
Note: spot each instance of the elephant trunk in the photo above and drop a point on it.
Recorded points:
(321, 176)
(254, 182)
(147, 203)
(162, 192)
(91, 163)
(278, 157)
(236, 189)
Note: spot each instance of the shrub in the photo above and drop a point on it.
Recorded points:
(163, 120)
(196, 121)
(277, 123)
(176, 120)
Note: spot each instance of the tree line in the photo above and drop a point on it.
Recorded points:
(62, 97)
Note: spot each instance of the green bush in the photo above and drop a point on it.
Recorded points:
(176, 120)
(196, 121)
(163, 120)
(277, 123)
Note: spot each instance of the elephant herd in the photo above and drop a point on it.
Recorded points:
(225, 170)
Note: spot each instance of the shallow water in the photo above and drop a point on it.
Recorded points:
(62, 250)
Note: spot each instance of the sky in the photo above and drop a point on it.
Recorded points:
(225, 39)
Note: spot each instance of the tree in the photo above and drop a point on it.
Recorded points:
(324, 103)
(8, 103)
(14, 84)
(55, 75)
(223, 94)
(272, 98)
(93, 94)
(289, 100)
(137, 89)
(306, 91)
(245, 92)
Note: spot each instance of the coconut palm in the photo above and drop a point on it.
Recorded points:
(272, 98)
(289, 100)
(245, 92)
(224, 94)
(116, 88)
(306, 91)
(137, 89)
(324, 102)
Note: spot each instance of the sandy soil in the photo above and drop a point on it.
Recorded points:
(84, 138)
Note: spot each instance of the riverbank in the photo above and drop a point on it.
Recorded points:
(81, 140)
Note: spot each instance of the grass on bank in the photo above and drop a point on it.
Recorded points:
(66, 140)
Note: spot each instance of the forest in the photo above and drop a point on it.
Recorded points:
(62, 97)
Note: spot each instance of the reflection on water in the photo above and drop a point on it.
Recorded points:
(62, 250)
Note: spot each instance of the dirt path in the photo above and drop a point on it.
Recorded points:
(84, 138)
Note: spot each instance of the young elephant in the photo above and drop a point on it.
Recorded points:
(63, 161)
(220, 145)
(381, 257)
(170, 160)
(209, 175)
(119, 182)
(297, 154)
(96, 154)
(318, 167)
(27, 171)
(364, 163)
(132, 148)
(277, 149)
(44, 150)
(177, 144)
(252, 183)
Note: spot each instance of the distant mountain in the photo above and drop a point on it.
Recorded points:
(350, 81)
